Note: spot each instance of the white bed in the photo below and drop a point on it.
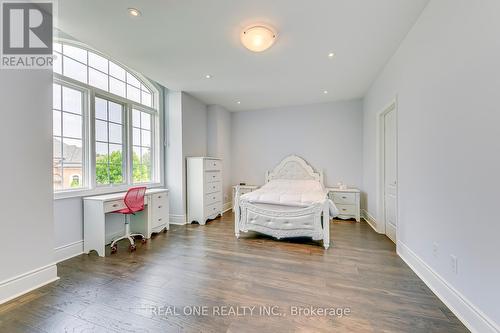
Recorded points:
(292, 203)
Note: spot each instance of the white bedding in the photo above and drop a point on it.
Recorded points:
(292, 193)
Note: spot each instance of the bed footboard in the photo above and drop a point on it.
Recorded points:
(311, 222)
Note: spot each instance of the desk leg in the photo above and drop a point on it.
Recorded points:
(94, 227)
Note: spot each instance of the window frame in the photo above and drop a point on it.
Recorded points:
(155, 130)
(125, 143)
(89, 186)
(86, 172)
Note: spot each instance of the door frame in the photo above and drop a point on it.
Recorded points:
(391, 106)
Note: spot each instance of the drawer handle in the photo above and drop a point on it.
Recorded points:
(213, 198)
(160, 206)
(115, 205)
(344, 209)
(159, 219)
(344, 197)
(159, 197)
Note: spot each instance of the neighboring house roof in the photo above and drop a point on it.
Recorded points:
(71, 154)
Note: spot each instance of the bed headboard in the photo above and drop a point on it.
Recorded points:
(293, 167)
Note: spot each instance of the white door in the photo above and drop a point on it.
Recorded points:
(390, 174)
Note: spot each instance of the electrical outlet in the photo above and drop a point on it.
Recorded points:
(435, 249)
(454, 264)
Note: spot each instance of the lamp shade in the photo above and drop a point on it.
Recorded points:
(258, 38)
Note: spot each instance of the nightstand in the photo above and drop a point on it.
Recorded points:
(347, 202)
(243, 189)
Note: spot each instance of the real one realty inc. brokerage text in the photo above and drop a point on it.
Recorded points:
(242, 311)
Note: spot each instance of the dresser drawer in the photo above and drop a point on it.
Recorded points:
(212, 176)
(112, 206)
(213, 165)
(160, 196)
(157, 220)
(213, 209)
(159, 209)
(346, 209)
(213, 197)
(343, 198)
(213, 187)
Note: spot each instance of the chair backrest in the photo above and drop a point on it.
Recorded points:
(134, 199)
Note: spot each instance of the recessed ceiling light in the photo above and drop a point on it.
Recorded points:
(258, 38)
(238, 102)
(208, 76)
(325, 92)
(331, 55)
(134, 12)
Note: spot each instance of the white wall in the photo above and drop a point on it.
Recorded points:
(328, 136)
(187, 133)
(446, 75)
(194, 126)
(175, 157)
(26, 196)
(220, 145)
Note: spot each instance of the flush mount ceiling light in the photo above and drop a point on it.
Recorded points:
(325, 92)
(331, 55)
(208, 76)
(238, 102)
(258, 38)
(134, 12)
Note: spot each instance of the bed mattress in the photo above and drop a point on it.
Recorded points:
(288, 195)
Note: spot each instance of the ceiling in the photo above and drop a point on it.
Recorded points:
(178, 42)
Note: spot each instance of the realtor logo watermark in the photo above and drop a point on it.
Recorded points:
(26, 35)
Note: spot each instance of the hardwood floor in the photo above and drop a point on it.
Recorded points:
(206, 266)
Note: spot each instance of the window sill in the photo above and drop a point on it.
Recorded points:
(98, 191)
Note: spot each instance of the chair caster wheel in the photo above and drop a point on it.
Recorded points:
(165, 230)
(114, 249)
(144, 241)
(132, 248)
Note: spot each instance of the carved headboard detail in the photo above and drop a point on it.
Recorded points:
(294, 167)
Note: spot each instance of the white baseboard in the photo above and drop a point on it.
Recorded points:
(23, 283)
(370, 220)
(68, 251)
(227, 206)
(468, 313)
(177, 219)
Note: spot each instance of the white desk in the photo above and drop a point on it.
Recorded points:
(155, 217)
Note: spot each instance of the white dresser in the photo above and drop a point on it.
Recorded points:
(347, 202)
(204, 188)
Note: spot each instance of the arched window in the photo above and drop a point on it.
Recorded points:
(92, 68)
(105, 122)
